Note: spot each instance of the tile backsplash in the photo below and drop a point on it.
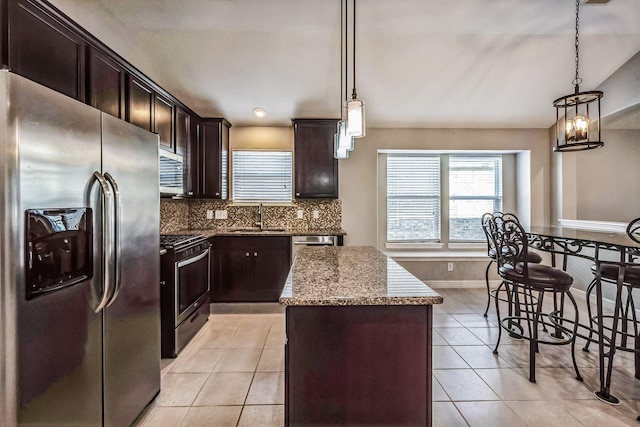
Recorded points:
(182, 214)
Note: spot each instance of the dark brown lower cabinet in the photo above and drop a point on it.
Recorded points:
(249, 268)
(358, 365)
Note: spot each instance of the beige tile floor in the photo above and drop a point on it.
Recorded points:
(232, 374)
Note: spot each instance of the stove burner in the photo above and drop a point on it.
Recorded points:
(179, 241)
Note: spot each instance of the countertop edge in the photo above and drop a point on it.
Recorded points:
(286, 232)
(354, 302)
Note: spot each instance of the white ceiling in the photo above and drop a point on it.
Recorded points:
(420, 63)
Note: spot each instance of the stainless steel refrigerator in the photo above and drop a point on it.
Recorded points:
(79, 262)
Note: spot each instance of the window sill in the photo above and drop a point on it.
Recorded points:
(437, 255)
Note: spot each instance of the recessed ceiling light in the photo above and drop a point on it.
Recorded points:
(260, 112)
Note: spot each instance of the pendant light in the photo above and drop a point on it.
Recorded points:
(578, 114)
(342, 142)
(355, 106)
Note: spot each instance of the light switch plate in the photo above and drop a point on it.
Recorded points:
(300, 214)
(209, 214)
(316, 214)
(221, 214)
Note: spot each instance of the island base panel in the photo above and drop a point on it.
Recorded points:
(362, 365)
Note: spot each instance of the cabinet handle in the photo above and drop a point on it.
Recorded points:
(162, 283)
(190, 193)
(246, 254)
(217, 194)
(255, 254)
(297, 194)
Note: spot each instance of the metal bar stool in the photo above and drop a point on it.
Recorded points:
(491, 250)
(525, 284)
(627, 277)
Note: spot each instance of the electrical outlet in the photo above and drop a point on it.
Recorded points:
(209, 214)
(221, 214)
(300, 214)
(449, 266)
(316, 214)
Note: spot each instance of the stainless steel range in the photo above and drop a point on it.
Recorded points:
(184, 290)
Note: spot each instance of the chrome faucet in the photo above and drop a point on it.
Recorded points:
(260, 222)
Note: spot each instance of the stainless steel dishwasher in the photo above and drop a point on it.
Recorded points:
(298, 242)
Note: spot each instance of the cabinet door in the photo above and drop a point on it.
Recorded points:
(231, 269)
(140, 104)
(106, 84)
(163, 117)
(213, 142)
(183, 146)
(316, 170)
(271, 262)
(43, 50)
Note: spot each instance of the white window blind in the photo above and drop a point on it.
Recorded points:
(475, 187)
(262, 176)
(413, 198)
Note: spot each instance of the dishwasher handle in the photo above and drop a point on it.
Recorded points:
(305, 243)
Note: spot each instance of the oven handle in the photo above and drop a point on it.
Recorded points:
(192, 260)
(116, 236)
(107, 252)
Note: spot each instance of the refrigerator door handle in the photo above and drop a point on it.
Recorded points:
(106, 233)
(116, 236)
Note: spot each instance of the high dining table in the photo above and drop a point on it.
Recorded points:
(589, 244)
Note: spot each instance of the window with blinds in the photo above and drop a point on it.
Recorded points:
(413, 198)
(475, 187)
(261, 176)
(418, 208)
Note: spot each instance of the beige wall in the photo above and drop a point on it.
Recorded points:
(358, 173)
(603, 184)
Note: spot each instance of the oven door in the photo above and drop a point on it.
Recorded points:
(192, 284)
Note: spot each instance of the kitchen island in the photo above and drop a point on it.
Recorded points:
(359, 339)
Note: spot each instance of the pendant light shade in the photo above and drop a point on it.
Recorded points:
(342, 142)
(355, 118)
(578, 114)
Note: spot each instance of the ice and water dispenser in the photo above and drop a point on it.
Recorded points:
(59, 246)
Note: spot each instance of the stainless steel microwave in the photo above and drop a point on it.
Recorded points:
(171, 173)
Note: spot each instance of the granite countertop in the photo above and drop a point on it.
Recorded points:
(352, 275)
(249, 231)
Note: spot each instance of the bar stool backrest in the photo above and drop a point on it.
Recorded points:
(487, 222)
(633, 230)
(511, 243)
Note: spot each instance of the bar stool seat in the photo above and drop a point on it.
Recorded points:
(609, 272)
(540, 277)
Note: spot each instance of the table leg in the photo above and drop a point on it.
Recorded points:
(605, 377)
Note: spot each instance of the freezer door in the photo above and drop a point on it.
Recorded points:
(132, 318)
(54, 146)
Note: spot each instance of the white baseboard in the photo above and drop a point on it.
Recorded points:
(460, 284)
(579, 294)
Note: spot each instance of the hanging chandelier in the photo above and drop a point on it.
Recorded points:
(342, 141)
(578, 114)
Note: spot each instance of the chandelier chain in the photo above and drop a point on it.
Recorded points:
(577, 79)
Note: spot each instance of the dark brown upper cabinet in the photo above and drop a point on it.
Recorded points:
(316, 170)
(163, 121)
(213, 158)
(43, 50)
(106, 84)
(139, 103)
